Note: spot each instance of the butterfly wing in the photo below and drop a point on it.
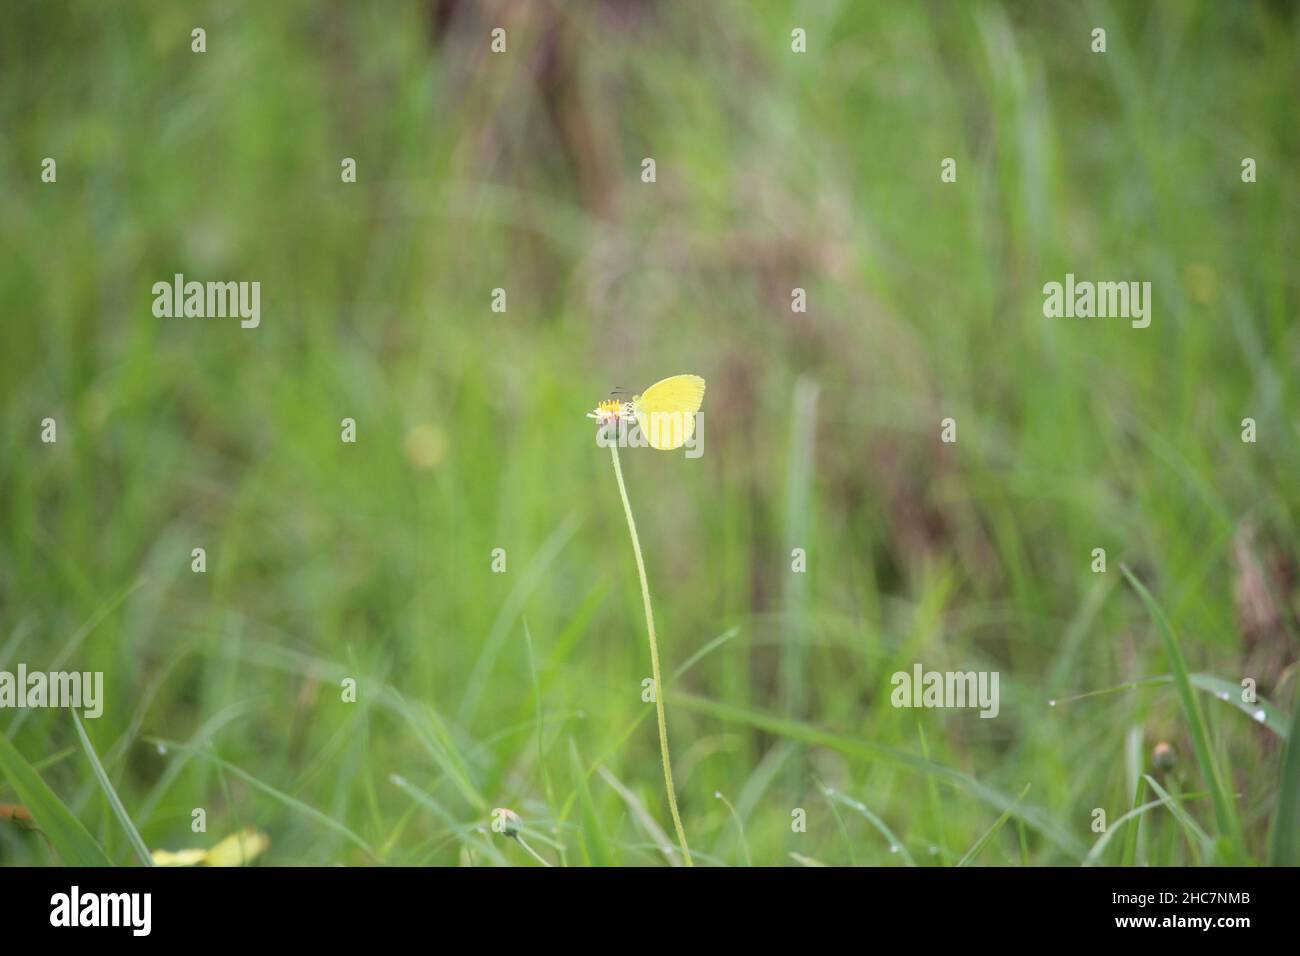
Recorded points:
(666, 411)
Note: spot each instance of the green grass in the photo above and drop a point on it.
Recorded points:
(1286, 826)
(67, 837)
(373, 561)
(1224, 805)
(133, 835)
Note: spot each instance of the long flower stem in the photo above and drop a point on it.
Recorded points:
(535, 855)
(654, 660)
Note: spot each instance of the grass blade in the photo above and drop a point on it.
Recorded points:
(642, 816)
(895, 844)
(1134, 843)
(1206, 845)
(1286, 824)
(1094, 855)
(70, 839)
(998, 824)
(593, 837)
(469, 835)
(132, 834)
(740, 825)
(1261, 711)
(1224, 811)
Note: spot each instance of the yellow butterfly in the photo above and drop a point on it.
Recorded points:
(665, 411)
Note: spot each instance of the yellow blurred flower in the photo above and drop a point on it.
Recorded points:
(179, 858)
(425, 446)
(235, 850)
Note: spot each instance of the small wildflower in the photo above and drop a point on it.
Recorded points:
(506, 822)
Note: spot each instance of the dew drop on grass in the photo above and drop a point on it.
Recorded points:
(893, 849)
(1051, 703)
(1259, 715)
(1223, 695)
(162, 750)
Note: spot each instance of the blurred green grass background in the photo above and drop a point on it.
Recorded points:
(522, 171)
